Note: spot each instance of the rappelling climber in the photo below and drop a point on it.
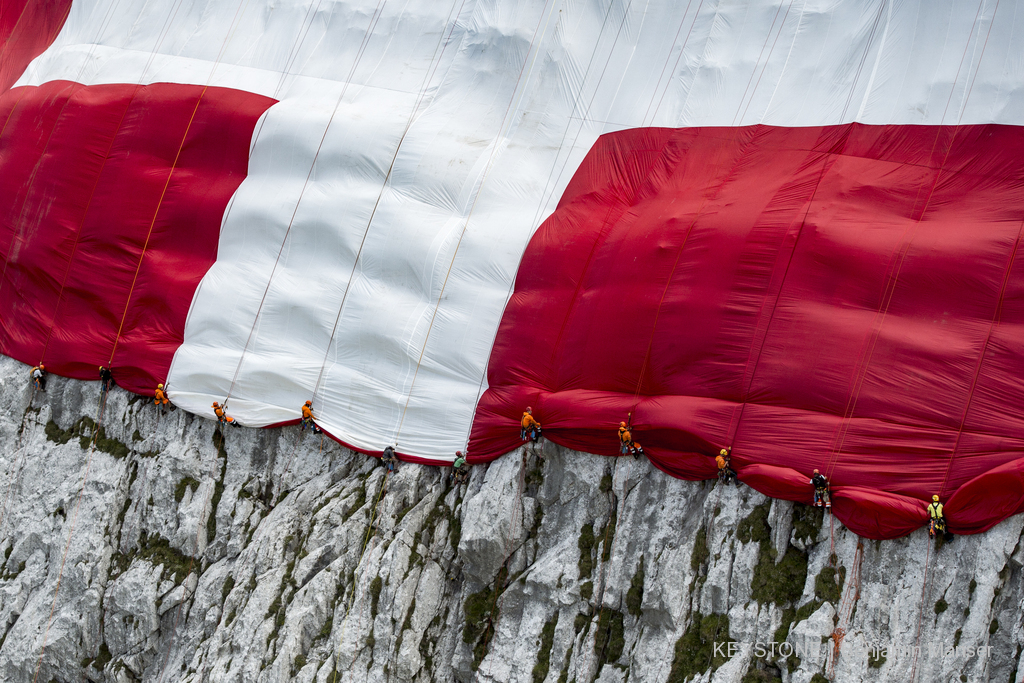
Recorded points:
(308, 418)
(627, 446)
(38, 376)
(218, 410)
(460, 468)
(726, 474)
(106, 379)
(529, 427)
(160, 397)
(387, 459)
(822, 498)
(936, 521)
(625, 438)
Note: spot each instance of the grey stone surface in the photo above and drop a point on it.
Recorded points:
(172, 553)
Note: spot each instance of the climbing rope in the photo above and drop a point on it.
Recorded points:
(545, 197)
(899, 254)
(703, 203)
(350, 598)
(844, 613)
(371, 25)
(920, 612)
(76, 86)
(435, 62)
(71, 533)
(737, 414)
(508, 543)
(767, 59)
(527, 69)
(997, 315)
(165, 29)
(654, 93)
(613, 514)
(104, 392)
(191, 562)
(549, 187)
(236, 21)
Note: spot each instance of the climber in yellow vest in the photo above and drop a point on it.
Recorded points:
(936, 522)
(529, 427)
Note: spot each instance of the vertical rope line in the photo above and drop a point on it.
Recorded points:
(236, 21)
(483, 180)
(898, 258)
(920, 612)
(71, 89)
(997, 316)
(704, 200)
(374, 18)
(78, 232)
(427, 77)
(760, 54)
(71, 533)
(764, 67)
(679, 57)
(737, 413)
(104, 394)
(549, 186)
(732, 434)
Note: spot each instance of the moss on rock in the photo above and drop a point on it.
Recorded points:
(695, 650)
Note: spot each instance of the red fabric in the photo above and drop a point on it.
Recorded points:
(27, 27)
(996, 494)
(88, 232)
(778, 482)
(864, 511)
(844, 297)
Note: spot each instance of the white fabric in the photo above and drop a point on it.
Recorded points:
(451, 130)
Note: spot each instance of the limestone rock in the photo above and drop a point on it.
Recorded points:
(175, 552)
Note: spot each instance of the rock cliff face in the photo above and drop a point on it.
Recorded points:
(161, 549)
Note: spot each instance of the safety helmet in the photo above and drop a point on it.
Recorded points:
(935, 498)
(622, 424)
(217, 405)
(529, 409)
(102, 368)
(42, 367)
(815, 471)
(309, 403)
(723, 452)
(159, 386)
(458, 453)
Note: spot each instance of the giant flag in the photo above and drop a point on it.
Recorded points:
(789, 228)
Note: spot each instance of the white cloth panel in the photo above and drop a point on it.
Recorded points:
(504, 99)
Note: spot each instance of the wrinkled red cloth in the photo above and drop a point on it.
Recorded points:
(111, 200)
(846, 298)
